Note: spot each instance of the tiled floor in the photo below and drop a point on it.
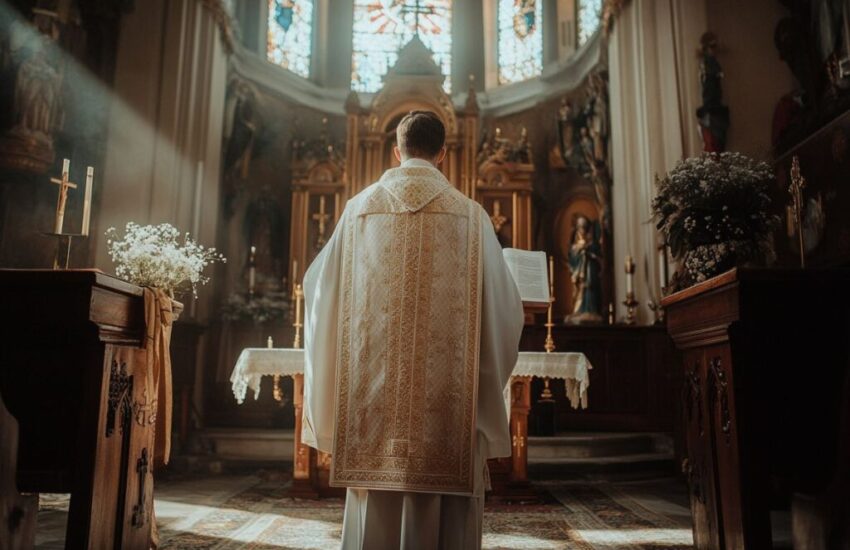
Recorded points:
(251, 511)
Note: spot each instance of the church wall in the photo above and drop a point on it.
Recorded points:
(754, 75)
(82, 53)
(256, 206)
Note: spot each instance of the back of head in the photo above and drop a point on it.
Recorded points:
(420, 134)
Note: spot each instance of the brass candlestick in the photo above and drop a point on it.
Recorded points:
(798, 183)
(277, 391)
(299, 298)
(549, 345)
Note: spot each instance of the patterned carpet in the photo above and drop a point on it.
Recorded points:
(253, 513)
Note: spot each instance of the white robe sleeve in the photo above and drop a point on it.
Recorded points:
(502, 320)
(321, 321)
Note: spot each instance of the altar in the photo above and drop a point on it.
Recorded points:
(311, 467)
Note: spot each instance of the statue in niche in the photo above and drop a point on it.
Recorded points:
(713, 116)
(262, 227)
(584, 259)
(30, 56)
(241, 127)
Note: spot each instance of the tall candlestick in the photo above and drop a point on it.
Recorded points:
(294, 275)
(87, 202)
(299, 297)
(549, 344)
(252, 271)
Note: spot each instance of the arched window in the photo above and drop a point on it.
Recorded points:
(382, 27)
(520, 40)
(589, 14)
(290, 36)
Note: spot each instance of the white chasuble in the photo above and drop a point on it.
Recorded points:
(412, 328)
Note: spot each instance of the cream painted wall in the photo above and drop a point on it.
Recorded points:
(165, 130)
(655, 91)
(755, 77)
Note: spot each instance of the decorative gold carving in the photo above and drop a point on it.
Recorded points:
(223, 21)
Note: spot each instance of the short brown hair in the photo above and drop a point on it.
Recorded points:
(421, 134)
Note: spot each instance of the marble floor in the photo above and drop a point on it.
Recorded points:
(252, 511)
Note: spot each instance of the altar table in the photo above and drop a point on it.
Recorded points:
(311, 468)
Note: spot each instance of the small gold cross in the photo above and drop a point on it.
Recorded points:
(321, 218)
(497, 218)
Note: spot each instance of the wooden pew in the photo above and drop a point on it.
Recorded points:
(17, 512)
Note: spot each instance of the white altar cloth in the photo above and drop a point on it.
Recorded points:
(254, 363)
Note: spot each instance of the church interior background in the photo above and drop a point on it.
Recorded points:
(249, 123)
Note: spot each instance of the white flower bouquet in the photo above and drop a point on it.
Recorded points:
(714, 212)
(156, 256)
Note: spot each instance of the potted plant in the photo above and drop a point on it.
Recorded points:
(714, 212)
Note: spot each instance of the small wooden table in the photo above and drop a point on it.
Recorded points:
(510, 475)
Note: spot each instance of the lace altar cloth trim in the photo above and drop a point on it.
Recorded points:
(254, 363)
(572, 367)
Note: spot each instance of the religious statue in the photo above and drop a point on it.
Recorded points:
(584, 259)
(713, 115)
(241, 127)
(36, 100)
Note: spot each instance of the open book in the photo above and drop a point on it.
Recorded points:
(530, 275)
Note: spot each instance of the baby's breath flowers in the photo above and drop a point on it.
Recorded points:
(714, 212)
(156, 256)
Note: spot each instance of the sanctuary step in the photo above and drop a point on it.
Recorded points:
(601, 455)
(248, 444)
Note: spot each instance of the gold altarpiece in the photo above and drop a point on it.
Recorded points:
(318, 197)
(497, 172)
(415, 82)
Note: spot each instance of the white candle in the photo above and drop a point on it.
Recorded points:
(252, 271)
(270, 343)
(66, 169)
(87, 202)
(629, 275)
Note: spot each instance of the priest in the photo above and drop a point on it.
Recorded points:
(412, 330)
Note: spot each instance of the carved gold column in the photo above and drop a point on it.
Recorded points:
(304, 482)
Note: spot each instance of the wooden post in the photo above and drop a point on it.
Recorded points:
(303, 457)
(520, 406)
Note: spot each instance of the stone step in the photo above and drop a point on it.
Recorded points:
(245, 444)
(636, 466)
(589, 445)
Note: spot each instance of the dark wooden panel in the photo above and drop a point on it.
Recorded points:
(634, 383)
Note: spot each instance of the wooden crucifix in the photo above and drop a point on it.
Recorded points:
(64, 184)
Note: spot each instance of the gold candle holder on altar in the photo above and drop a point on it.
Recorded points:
(299, 299)
(549, 345)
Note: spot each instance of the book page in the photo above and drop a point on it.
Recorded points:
(530, 274)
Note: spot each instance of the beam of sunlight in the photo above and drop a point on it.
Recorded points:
(675, 536)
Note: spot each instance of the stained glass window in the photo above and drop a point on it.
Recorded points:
(520, 44)
(382, 27)
(290, 35)
(589, 14)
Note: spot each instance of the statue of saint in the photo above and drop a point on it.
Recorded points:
(585, 266)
